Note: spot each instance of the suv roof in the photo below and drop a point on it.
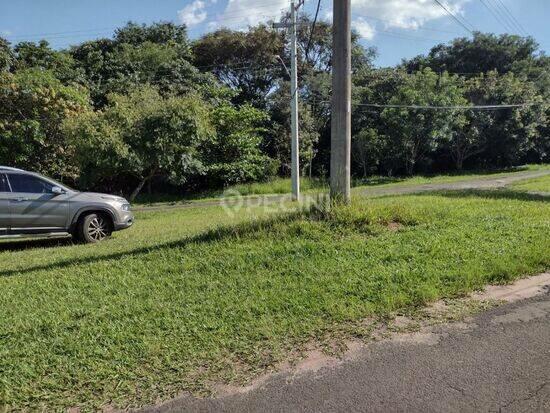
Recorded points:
(7, 168)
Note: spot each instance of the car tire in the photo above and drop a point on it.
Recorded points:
(93, 228)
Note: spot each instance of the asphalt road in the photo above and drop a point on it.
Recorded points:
(487, 182)
(498, 361)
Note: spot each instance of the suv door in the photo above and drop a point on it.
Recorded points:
(5, 196)
(33, 206)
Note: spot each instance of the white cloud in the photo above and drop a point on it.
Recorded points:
(406, 14)
(193, 13)
(5, 33)
(239, 13)
(365, 30)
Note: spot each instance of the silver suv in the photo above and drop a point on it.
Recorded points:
(33, 205)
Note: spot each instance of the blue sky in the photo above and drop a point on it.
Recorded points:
(398, 28)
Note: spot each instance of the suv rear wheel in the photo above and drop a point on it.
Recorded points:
(94, 228)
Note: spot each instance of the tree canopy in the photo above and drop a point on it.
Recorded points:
(150, 107)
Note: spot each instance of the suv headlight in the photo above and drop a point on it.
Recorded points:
(125, 207)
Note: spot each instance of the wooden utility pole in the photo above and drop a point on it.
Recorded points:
(340, 153)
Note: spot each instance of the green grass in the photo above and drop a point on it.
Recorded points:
(541, 184)
(179, 302)
(283, 186)
(274, 186)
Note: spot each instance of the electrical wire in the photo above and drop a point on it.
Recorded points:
(429, 107)
(312, 29)
(497, 16)
(512, 18)
(455, 18)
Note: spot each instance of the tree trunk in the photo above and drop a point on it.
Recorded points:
(138, 189)
(459, 162)
(141, 184)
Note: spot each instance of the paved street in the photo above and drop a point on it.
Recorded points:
(498, 361)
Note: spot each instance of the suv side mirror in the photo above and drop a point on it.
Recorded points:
(56, 190)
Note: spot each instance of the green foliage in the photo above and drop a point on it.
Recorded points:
(33, 106)
(278, 141)
(416, 133)
(158, 54)
(224, 74)
(234, 155)
(484, 53)
(6, 55)
(508, 135)
(243, 60)
(143, 135)
(29, 55)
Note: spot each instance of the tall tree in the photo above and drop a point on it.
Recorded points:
(416, 133)
(141, 136)
(33, 106)
(158, 54)
(6, 55)
(41, 56)
(246, 61)
(483, 53)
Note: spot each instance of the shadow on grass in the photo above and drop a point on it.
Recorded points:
(213, 235)
(490, 194)
(36, 243)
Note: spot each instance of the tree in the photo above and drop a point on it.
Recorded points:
(372, 148)
(246, 61)
(144, 135)
(158, 54)
(482, 54)
(6, 55)
(40, 55)
(278, 140)
(233, 155)
(418, 132)
(33, 105)
(508, 134)
(367, 151)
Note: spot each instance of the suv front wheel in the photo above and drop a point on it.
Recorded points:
(93, 228)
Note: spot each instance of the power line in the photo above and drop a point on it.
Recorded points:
(455, 18)
(436, 107)
(406, 36)
(430, 29)
(312, 29)
(227, 17)
(511, 17)
(497, 17)
(463, 107)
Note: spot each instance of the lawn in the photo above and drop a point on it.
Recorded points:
(192, 297)
(541, 184)
(283, 185)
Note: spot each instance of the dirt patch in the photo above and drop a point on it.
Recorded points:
(520, 290)
(395, 226)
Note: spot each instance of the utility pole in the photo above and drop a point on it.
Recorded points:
(294, 119)
(340, 152)
(295, 145)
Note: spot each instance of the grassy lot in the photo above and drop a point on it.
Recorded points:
(283, 185)
(541, 184)
(174, 305)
